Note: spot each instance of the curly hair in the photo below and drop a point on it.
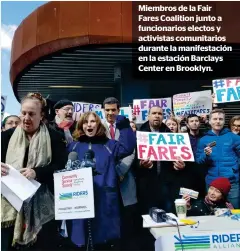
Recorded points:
(101, 130)
(35, 96)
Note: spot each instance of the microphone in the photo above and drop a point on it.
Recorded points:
(88, 161)
(73, 162)
(159, 215)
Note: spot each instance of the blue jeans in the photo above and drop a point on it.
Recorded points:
(234, 195)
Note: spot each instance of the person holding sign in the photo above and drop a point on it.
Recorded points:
(90, 133)
(156, 176)
(219, 151)
(124, 170)
(36, 151)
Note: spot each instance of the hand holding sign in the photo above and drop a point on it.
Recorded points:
(4, 169)
(179, 164)
(146, 163)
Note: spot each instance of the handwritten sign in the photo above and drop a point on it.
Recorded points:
(3, 104)
(199, 103)
(82, 107)
(226, 90)
(73, 192)
(164, 146)
(124, 111)
(141, 108)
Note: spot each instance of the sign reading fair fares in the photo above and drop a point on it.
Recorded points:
(141, 108)
(199, 103)
(164, 146)
(226, 90)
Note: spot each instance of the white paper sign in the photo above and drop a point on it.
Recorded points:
(199, 103)
(18, 189)
(141, 108)
(73, 192)
(124, 111)
(226, 90)
(164, 146)
(82, 107)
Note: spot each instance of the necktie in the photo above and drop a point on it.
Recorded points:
(112, 133)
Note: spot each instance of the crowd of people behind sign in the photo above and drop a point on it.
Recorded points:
(126, 187)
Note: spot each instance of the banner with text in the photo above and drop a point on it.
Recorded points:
(200, 241)
(164, 146)
(82, 107)
(3, 104)
(73, 192)
(226, 90)
(199, 103)
(124, 111)
(141, 108)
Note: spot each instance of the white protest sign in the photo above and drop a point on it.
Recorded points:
(164, 146)
(73, 192)
(199, 103)
(82, 107)
(17, 189)
(141, 108)
(124, 111)
(3, 104)
(226, 90)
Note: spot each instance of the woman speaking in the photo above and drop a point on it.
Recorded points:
(36, 151)
(90, 134)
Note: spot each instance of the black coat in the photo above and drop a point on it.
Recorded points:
(53, 125)
(200, 208)
(59, 156)
(161, 190)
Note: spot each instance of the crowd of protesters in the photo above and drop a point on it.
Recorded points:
(126, 187)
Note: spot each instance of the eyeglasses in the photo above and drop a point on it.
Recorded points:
(237, 126)
(68, 109)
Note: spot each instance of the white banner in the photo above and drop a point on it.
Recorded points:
(217, 241)
(141, 108)
(124, 111)
(199, 103)
(3, 104)
(226, 90)
(164, 146)
(82, 107)
(73, 191)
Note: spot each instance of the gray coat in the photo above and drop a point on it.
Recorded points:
(128, 184)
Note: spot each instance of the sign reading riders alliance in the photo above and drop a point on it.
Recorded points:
(227, 241)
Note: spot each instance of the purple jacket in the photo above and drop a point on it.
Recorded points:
(106, 224)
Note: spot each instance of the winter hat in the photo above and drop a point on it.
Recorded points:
(222, 184)
(62, 103)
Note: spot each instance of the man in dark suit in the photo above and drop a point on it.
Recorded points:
(124, 170)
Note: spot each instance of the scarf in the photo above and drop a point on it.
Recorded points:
(40, 209)
(213, 205)
(65, 125)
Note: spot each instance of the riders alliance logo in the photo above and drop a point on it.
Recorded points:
(192, 242)
(74, 195)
